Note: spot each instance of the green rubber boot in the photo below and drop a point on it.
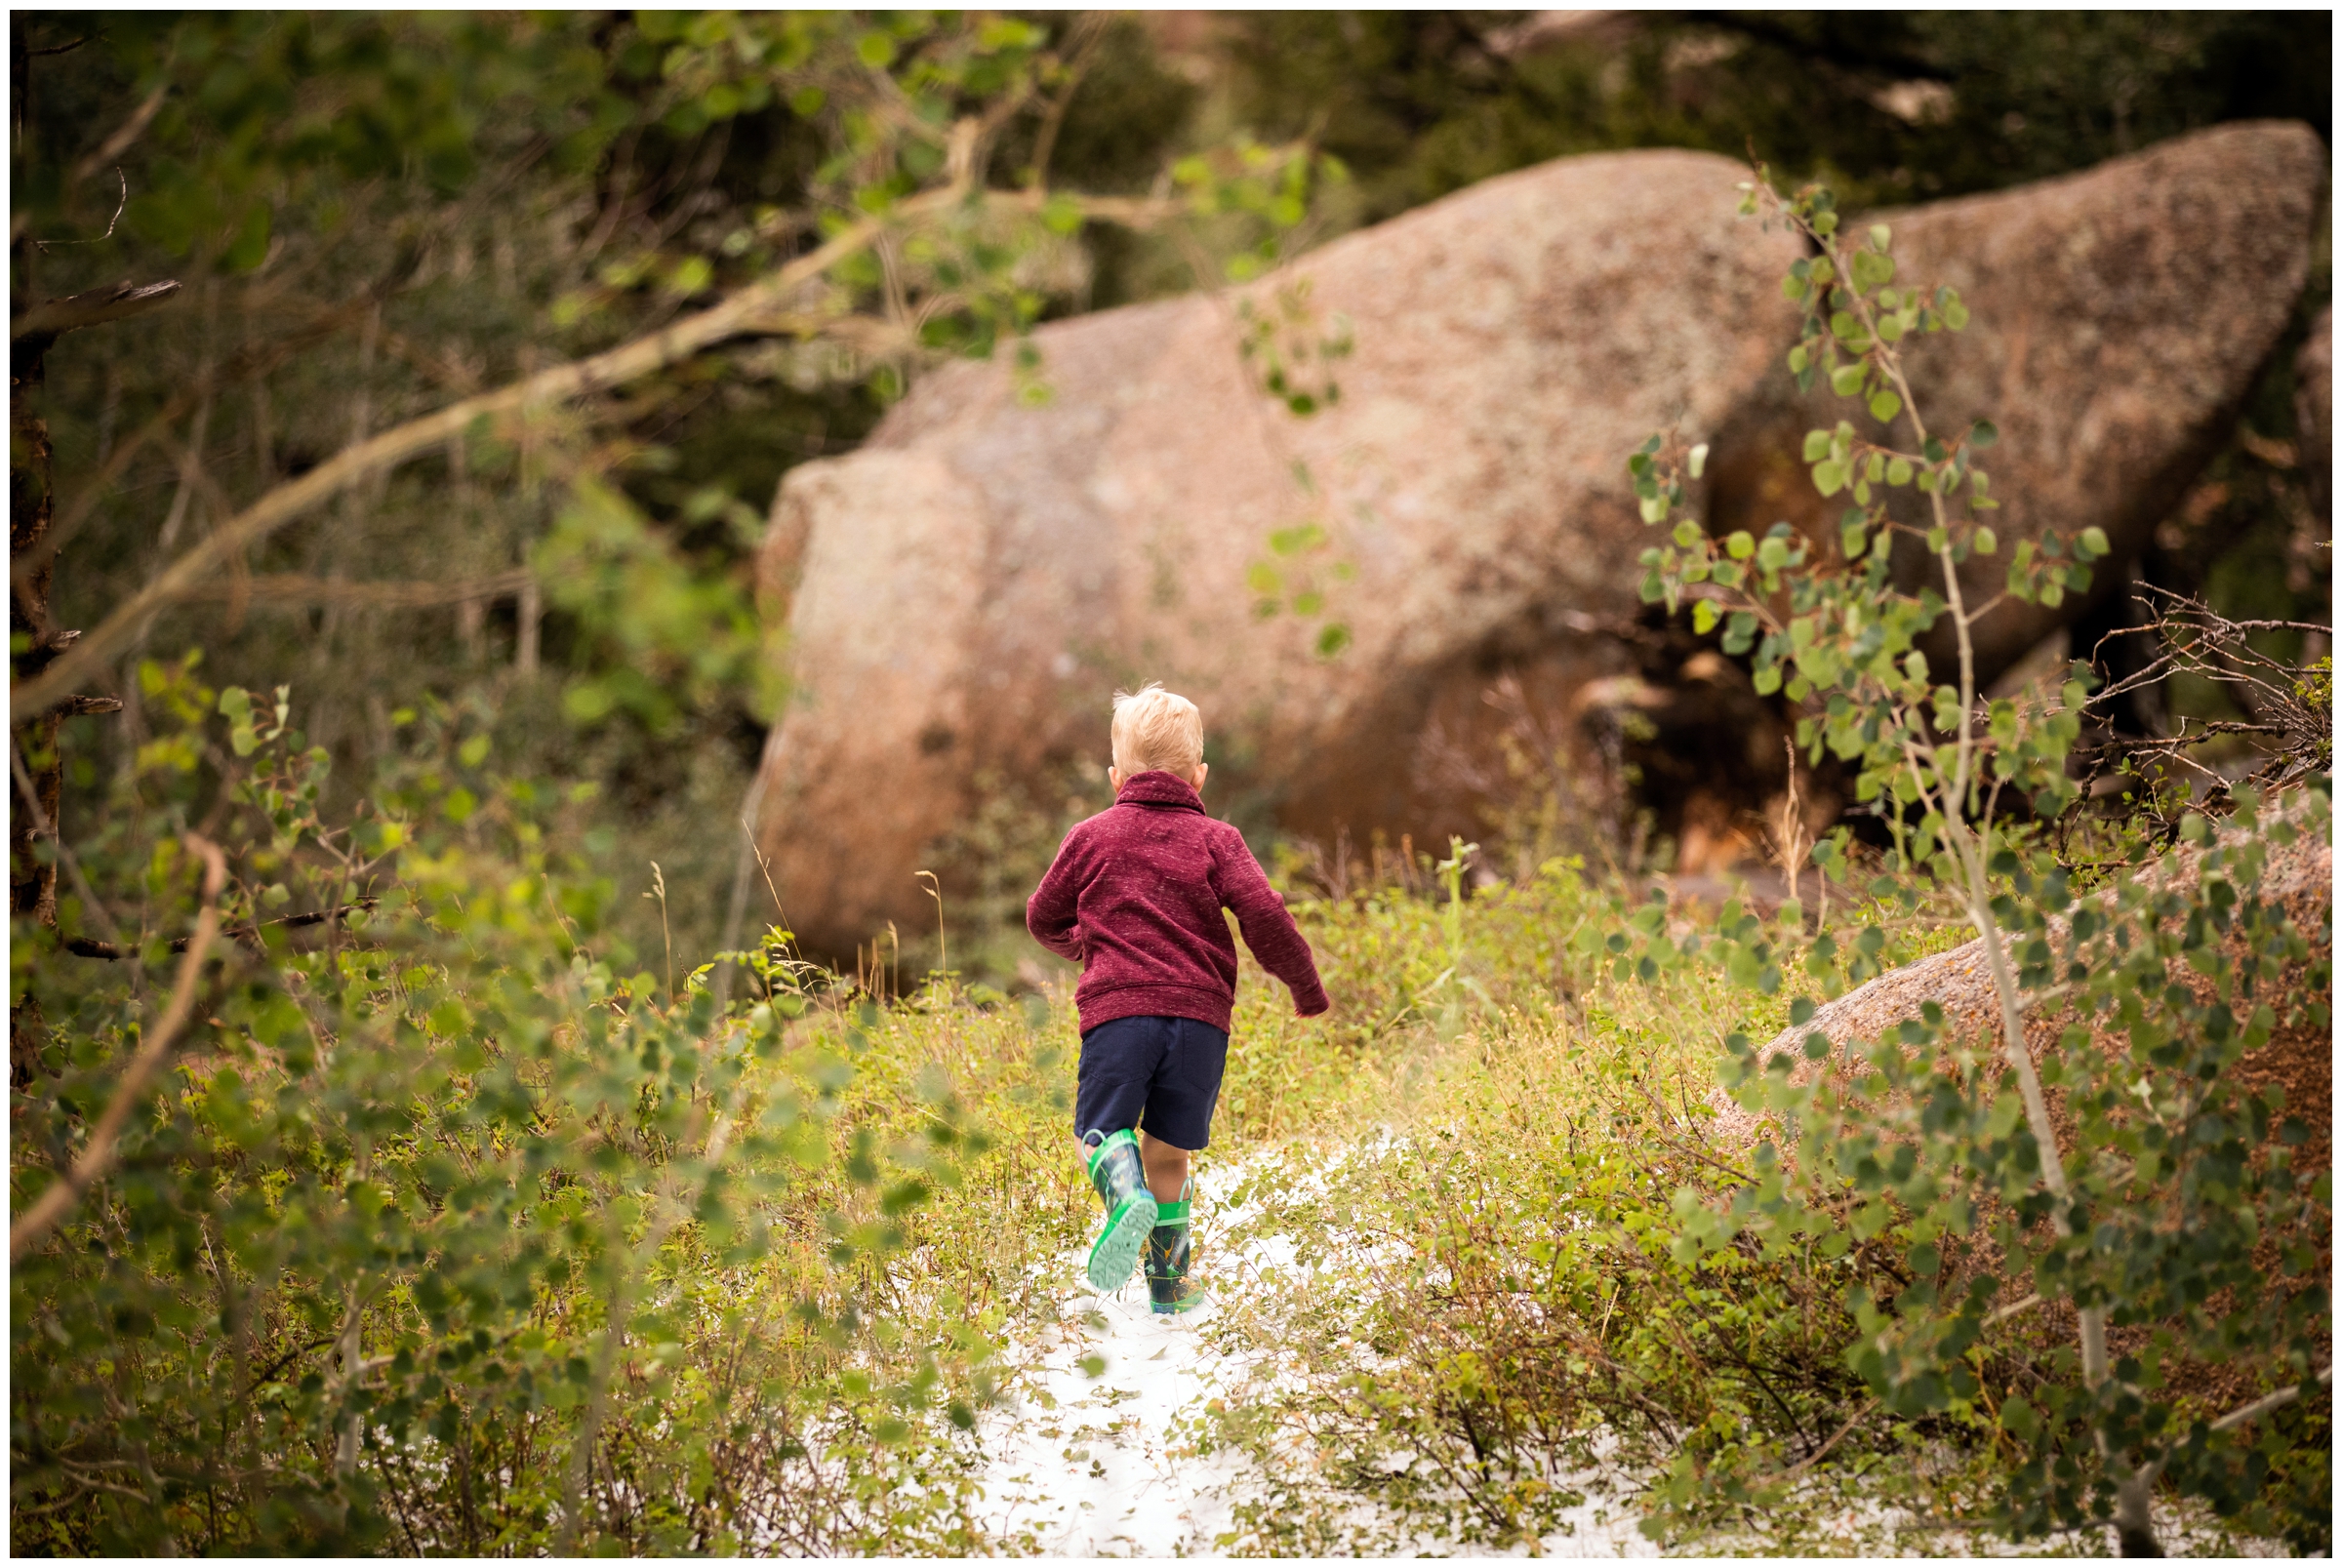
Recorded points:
(1120, 1178)
(1170, 1254)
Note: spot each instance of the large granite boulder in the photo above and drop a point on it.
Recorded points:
(2119, 316)
(965, 591)
(969, 588)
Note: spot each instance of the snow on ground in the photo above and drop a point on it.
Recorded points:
(1089, 1462)
(1087, 1465)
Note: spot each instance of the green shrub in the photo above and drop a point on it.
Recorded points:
(447, 1233)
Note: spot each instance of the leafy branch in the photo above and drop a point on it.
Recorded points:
(1921, 1123)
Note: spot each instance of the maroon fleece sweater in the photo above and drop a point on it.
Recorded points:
(1134, 897)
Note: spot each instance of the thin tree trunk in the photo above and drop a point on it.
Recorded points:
(31, 510)
(31, 507)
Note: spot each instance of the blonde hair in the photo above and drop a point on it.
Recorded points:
(1156, 728)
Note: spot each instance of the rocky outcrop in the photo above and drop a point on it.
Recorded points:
(2298, 876)
(966, 592)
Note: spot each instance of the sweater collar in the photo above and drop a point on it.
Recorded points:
(1156, 787)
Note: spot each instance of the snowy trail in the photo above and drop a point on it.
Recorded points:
(1093, 1461)
(1089, 1464)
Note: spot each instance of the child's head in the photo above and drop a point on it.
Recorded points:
(1156, 728)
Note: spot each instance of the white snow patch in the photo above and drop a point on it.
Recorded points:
(1094, 1466)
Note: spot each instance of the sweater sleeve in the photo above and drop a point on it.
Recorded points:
(1050, 913)
(1269, 929)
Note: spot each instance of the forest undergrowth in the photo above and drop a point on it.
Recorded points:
(463, 1227)
(458, 1226)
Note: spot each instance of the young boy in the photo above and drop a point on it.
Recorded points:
(1135, 897)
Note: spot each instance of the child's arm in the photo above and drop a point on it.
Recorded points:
(1268, 930)
(1050, 914)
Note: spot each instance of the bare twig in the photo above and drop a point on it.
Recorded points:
(130, 130)
(2268, 1402)
(2015, 1309)
(1696, 1153)
(2294, 730)
(116, 302)
(1815, 1458)
(119, 208)
(1090, 32)
(98, 1154)
(281, 1362)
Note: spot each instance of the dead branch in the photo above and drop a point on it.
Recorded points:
(653, 351)
(42, 828)
(130, 130)
(98, 1154)
(1816, 1457)
(112, 223)
(2266, 1403)
(2195, 639)
(562, 383)
(249, 936)
(116, 302)
(291, 588)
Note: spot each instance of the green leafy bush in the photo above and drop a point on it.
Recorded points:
(446, 1232)
(2155, 1202)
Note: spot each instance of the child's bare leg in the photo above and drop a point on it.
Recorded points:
(1166, 1168)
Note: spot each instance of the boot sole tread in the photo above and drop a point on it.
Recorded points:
(1115, 1256)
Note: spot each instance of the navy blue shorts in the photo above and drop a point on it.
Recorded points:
(1160, 1075)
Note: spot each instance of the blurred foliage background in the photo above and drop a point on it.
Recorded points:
(374, 215)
